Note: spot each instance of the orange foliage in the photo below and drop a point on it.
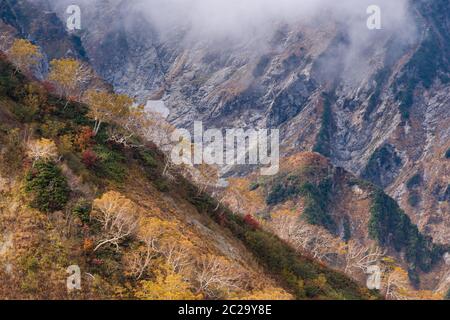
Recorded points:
(84, 139)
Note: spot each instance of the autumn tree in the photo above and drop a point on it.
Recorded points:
(151, 234)
(360, 257)
(269, 293)
(84, 139)
(12, 152)
(117, 216)
(129, 126)
(205, 176)
(178, 254)
(215, 274)
(70, 76)
(43, 149)
(35, 98)
(301, 235)
(106, 107)
(24, 55)
(168, 285)
(397, 284)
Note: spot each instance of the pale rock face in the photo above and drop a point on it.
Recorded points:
(447, 258)
(277, 80)
(227, 83)
(157, 106)
(357, 190)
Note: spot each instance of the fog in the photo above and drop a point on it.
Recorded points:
(244, 18)
(255, 21)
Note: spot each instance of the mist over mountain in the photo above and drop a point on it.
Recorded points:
(222, 23)
(267, 64)
(363, 115)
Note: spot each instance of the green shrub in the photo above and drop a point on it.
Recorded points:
(161, 185)
(414, 198)
(390, 226)
(414, 181)
(9, 82)
(281, 192)
(323, 140)
(82, 210)
(47, 187)
(148, 159)
(110, 163)
(253, 186)
(317, 199)
(447, 154)
(23, 113)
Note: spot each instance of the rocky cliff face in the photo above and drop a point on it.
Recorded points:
(375, 103)
(385, 115)
(36, 21)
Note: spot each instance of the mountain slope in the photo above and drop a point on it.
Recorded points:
(341, 220)
(399, 102)
(387, 91)
(51, 207)
(379, 108)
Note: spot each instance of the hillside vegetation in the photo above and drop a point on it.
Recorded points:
(72, 192)
(344, 222)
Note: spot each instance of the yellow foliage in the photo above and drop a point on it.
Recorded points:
(320, 282)
(24, 54)
(35, 98)
(66, 143)
(168, 285)
(240, 198)
(283, 213)
(107, 107)
(156, 228)
(68, 74)
(118, 217)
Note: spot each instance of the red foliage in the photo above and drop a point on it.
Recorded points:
(84, 139)
(97, 262)
(251, 221)
(48, 86)
(89, 158)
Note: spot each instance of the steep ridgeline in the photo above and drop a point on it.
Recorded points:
(378, 108)
(343, 221)
(69, 197)
(36, 22)
(384, 115)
